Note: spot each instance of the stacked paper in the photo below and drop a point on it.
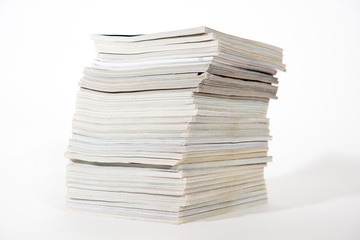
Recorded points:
(172, 126)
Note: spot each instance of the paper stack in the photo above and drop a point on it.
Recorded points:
(172, 126)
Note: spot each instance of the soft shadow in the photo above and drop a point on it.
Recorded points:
(324, 180)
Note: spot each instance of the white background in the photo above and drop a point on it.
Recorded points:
(313, 183)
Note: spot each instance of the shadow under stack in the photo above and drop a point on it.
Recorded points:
(172, 126)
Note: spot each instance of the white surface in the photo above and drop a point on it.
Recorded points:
(314, 183)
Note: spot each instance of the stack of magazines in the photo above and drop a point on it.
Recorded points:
(172, 126)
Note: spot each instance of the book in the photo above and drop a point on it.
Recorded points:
(172, 126)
